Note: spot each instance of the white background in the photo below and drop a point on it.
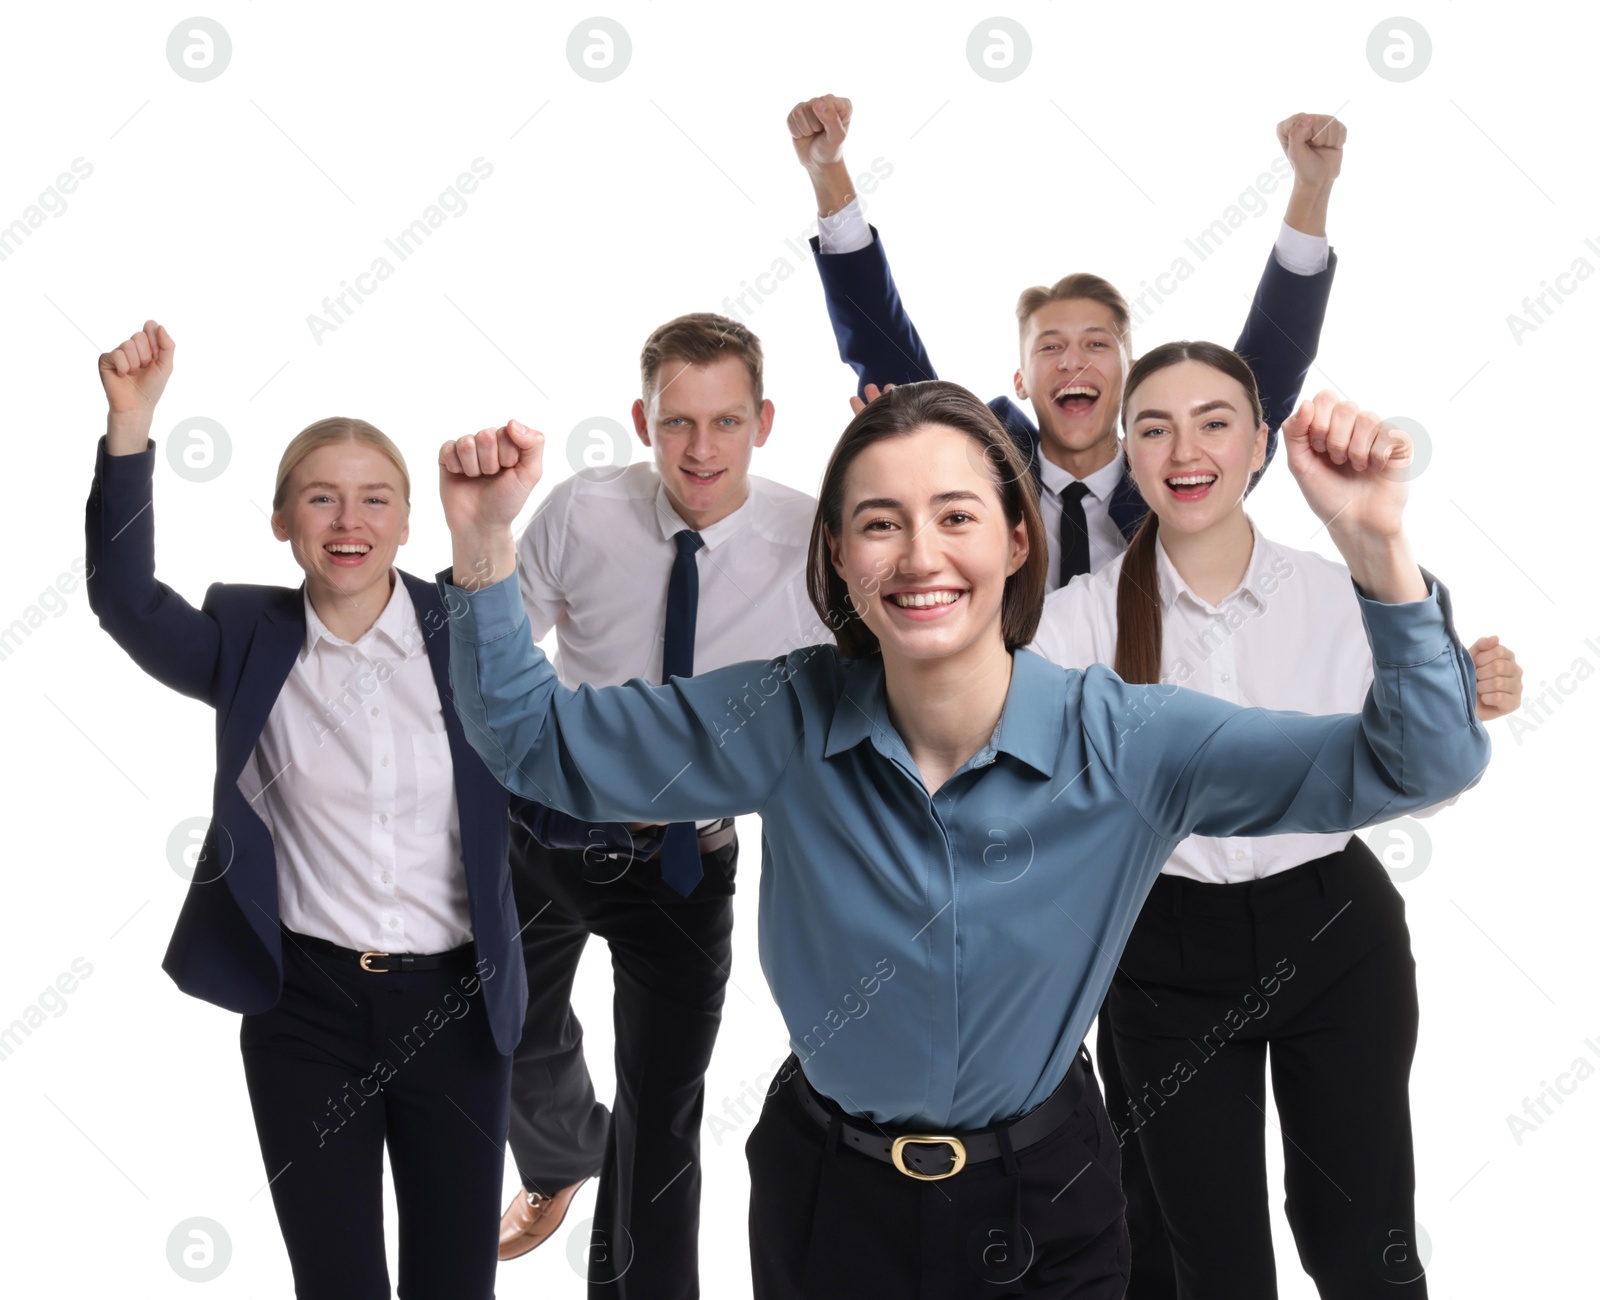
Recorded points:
(228, 209)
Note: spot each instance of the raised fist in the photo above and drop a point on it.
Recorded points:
(818, 128)
(134, 374)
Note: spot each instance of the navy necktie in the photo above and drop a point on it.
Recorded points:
(1074, 532)
(680, 849)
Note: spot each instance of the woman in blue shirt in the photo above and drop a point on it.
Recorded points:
(957, 835)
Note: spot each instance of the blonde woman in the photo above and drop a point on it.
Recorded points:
(352, 900)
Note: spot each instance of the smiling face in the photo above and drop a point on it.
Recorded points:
(1193, 443)
(1074, 363)
(703, 423)
(345, 517)
(924, 548)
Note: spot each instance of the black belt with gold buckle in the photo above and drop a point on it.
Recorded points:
(929, 1157)
(382, 963)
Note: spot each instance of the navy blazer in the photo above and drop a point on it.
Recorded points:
(235, 652)
(879, 342)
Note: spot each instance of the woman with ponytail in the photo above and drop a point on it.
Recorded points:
(1293, 942)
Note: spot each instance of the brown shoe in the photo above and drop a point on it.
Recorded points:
(531, 1217)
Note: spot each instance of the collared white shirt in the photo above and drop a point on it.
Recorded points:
(594, 561)
(353, 777)
(1105, 538)
(1289, 636)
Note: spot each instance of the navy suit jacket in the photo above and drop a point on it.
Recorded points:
(879, 342)
(235, 652)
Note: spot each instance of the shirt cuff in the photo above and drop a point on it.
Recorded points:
(1413, 632)
(1301, 253)
(846, 231)
(487, 614)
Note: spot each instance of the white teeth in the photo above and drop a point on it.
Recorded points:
(348, 548)
(1077, 390)
(918, 599)
(1191, 480)
(703, 473)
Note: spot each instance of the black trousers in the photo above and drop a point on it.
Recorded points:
(1151, 1275)
(670, 957)
(348, 1063)
(829, 1223)
(1315, 962)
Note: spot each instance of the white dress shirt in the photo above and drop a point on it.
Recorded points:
(1289, 636)
(353, 777)
(1105, 538)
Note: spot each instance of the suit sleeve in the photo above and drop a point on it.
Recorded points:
(875, 334)
(163, 633)
(1193, 764)
(1280, 339)
(634, 752)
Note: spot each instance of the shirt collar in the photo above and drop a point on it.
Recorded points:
(1172, 584)
(1030, 724)
(1101, 484)
(397, 623)
(672, 523)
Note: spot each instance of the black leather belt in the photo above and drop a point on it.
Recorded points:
(932, 1156)
(382, 963)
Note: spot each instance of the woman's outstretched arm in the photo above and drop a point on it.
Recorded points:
(711, 745)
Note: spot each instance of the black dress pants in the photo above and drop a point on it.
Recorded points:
(670, 957)
(830, 1223)
(350, 1062)
(1309, 970)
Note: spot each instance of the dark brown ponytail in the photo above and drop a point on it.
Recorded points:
(1138, 657)
(1139, 609)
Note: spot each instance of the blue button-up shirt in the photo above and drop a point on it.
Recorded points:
(938, 957)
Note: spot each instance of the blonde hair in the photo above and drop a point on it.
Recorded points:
(325, 433)
(1080, 284)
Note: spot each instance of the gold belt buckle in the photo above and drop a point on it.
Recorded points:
(897, 1155)
(370, 969)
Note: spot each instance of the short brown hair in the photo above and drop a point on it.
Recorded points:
(1080, 284)
(700, 338)
(903, 410)
(324, 433)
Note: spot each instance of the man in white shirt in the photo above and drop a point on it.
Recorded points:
(685, 563)
(1075, 335)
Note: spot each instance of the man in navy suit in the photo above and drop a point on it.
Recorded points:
(1073, 339)
(1074, 334)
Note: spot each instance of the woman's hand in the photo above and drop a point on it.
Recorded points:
(485, 479)
(134, 375)
(1352, 468)
(873, 393)
(1499, 678)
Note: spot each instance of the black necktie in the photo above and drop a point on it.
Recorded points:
(680, 849)
(1074, 532)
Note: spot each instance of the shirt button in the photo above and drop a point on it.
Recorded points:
(384, 761)
(383, 817)
(386, 878)
(1224, 678)
(374, 710)
(1238, 855)
(394, 922)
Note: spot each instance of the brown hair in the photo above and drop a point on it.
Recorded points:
(903, 410)
(1138, 589)
(1080, 284)
(700, 338)
(324, 433)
